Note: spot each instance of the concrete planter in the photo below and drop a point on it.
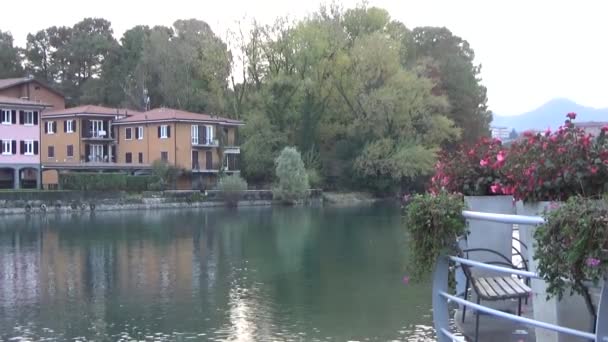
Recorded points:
(571, 311)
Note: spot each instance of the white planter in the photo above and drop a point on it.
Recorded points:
(489, 235)
(571, 311)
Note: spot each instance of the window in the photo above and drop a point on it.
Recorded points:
(69, 126)
(209, 135)
(128, 157)
(70, 151)
(128, 133)
(194, 134)
(27, 147)
(28, 118)
(164, 131)
(140, 133)
(164, 156)
(50, 127)
(8, 116)
(140, 158)
(7, 147)
(97, 130)
(51, 151)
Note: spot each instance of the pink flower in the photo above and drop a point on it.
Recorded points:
(471, 152)
(406, 280)
(508, 190)
(484, 162)
(553, 138)
(593, 262)
(571, 115)
(553, 205)
(495, 188)
(593, 169)
(500, 156)
(605, 128)
(548, 132)
(561, 150)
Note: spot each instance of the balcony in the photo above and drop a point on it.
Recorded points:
(205, 167)
(99, 135)
(196, 142)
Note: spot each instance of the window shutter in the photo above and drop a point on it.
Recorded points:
(35, 117)
(65, 126)
(85, 129)
(136, 132)
(54, 126)
(14, 117)
(159, 131)
(105, 150)
(87, 152)
(21, 117)
(36, 147)
(46, 127)
(105, 128)
(22, 147)
(14, 146)
(74, 125)
(168, 131)
(203, 129)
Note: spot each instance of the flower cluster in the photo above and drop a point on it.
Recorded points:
(472, 169)
(549, 166)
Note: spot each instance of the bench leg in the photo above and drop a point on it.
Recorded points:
(519, 306)
(466, 293)
(478, 313)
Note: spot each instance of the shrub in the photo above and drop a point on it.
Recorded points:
(314, 178)
(573, 247)
(291, 173)
(166, 175)
(472, 170)
(88, 181)
(232, 186)
(139, 183)
(434, 222)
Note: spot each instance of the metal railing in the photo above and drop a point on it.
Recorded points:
(441, 295)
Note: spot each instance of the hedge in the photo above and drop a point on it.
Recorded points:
(87, 181)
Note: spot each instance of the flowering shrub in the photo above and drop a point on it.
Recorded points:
(472, 169)
(553, 166)
(573, 246)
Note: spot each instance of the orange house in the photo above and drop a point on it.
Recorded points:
(201, 145)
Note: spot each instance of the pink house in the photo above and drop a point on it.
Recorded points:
(20, 142)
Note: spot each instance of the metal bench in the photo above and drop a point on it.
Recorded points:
(493, 288)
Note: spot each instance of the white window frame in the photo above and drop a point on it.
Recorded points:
(96, 127)
(8, 114)
(128, 129)
(69, 128)
(194, 134)
(140, 132)
(49, 127)
(7, 147)
(163, 131)
(28, 146)
(28, 114)
(210, 134)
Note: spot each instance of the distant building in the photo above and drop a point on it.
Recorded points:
(501, 133)
(27, 88)
(591, 127)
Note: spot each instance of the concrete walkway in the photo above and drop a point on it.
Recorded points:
(495, 329)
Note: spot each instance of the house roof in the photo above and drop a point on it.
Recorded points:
(11, 82)
(172, 115)
(13, 101)
(90, 110)
(591, 124)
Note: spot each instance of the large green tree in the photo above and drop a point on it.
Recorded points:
(10, 58)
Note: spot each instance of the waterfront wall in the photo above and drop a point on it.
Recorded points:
(24, 202)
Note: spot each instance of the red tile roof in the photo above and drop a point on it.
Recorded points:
(21, 102)
(91, 109)
(11, 82)
(169, 114)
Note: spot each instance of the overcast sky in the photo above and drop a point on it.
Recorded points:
(531, 51)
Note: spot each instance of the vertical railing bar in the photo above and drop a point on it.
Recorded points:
(602, 315)
(452, 336)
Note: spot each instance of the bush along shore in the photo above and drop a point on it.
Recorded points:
(29, 202)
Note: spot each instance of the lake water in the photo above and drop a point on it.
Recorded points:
(252, 274)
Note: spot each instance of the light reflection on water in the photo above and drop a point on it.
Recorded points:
(281, 274)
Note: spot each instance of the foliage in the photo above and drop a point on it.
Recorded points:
(472, 169)
(553, 166)
(139, 183)
(573, 247)
(10, 60)
(260, 147)
(433, 222)
(232, 187)
(165, 175)
(291, 173)
(95, 181)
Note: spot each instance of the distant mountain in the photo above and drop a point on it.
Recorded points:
(551, 114)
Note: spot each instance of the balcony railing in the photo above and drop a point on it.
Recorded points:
(205, 142)
(100, 134)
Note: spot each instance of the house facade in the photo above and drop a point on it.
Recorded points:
(202, 145)
(20, 137)
(78, 138)
(26, 88)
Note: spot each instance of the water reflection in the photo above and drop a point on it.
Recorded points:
(285, 274)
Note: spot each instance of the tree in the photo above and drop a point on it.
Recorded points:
(10, 58)
(232, 187)
(260, 147)
(449, 61)
(513, 134)
(291, 173)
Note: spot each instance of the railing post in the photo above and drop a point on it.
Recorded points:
(602, 315)
(441, 315)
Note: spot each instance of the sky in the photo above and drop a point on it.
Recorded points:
(530, 51)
